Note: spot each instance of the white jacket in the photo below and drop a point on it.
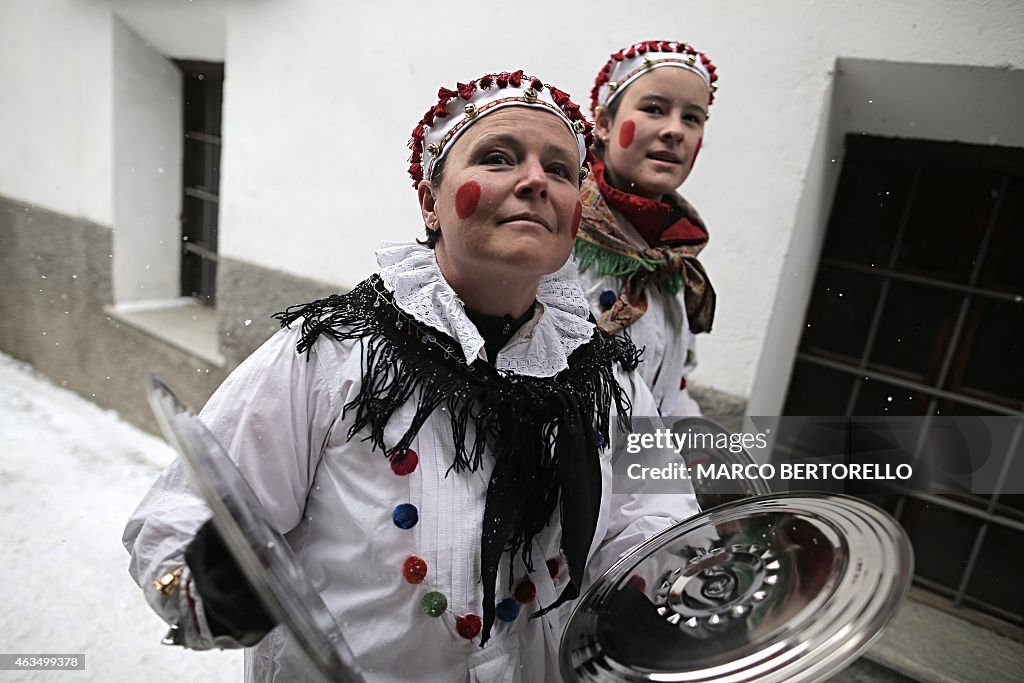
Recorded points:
(279, 417)
(663, 332)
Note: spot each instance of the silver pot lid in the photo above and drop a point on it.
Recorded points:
(777, 588)
(264, 556)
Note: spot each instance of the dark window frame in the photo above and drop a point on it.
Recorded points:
(202, 96)
(962, 295)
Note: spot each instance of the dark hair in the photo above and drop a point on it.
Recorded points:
(597, 148)
(432, 236)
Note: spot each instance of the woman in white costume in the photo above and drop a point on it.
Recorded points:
(437, 444)
(639, 240)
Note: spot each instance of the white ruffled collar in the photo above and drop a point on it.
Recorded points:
(541, 348)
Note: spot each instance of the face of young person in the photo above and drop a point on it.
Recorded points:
(655, 135)
(508, 207)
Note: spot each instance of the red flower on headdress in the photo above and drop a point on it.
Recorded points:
(604, 76)
(560, 97)
(465, 91)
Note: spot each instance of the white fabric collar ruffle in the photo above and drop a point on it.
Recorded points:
(540, 349)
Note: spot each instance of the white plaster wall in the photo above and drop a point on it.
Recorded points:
(55, 106)
(314, 178)
(148, 133)
(320, 97)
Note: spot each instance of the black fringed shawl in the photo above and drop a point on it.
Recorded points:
(545, 433)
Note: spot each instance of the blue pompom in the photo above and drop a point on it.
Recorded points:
(405, 516)
(507, 610)
(607, 299)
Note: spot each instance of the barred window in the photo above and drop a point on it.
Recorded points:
(203, 90)
(918, 309)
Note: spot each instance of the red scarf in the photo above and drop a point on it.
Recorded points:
(659, 223)
(672, 263)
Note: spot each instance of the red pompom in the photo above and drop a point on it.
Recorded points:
(486, 82)
(468, 626)
(525, 592)
(404, 463)
(501, 80)
(446, 94)
(516, 78)
(414, 569)
(554, 567)
(466, 90)
(536, 84)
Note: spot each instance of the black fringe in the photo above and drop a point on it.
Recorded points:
(531, 423)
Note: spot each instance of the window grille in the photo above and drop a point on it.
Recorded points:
(918, 309)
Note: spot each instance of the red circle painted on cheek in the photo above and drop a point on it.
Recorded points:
(576, 216)
(626, 133)
(466, 199)
(696, 151)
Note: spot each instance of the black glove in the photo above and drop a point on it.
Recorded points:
(231, 606)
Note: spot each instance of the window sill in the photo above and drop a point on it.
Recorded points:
(929, 645)
(182, 323)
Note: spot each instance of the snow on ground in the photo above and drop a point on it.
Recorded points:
(70, 474)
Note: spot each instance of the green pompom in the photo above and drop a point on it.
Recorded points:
(434, 604)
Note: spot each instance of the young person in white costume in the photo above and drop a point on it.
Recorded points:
(639, 240)
(436, 445)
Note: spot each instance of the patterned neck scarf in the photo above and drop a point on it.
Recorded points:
(675, 235)
(659, 223)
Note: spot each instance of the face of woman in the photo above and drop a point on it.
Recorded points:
(509, 203)
(653, 140)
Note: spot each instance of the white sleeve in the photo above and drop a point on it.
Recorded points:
(638, 514)
(273, 415)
